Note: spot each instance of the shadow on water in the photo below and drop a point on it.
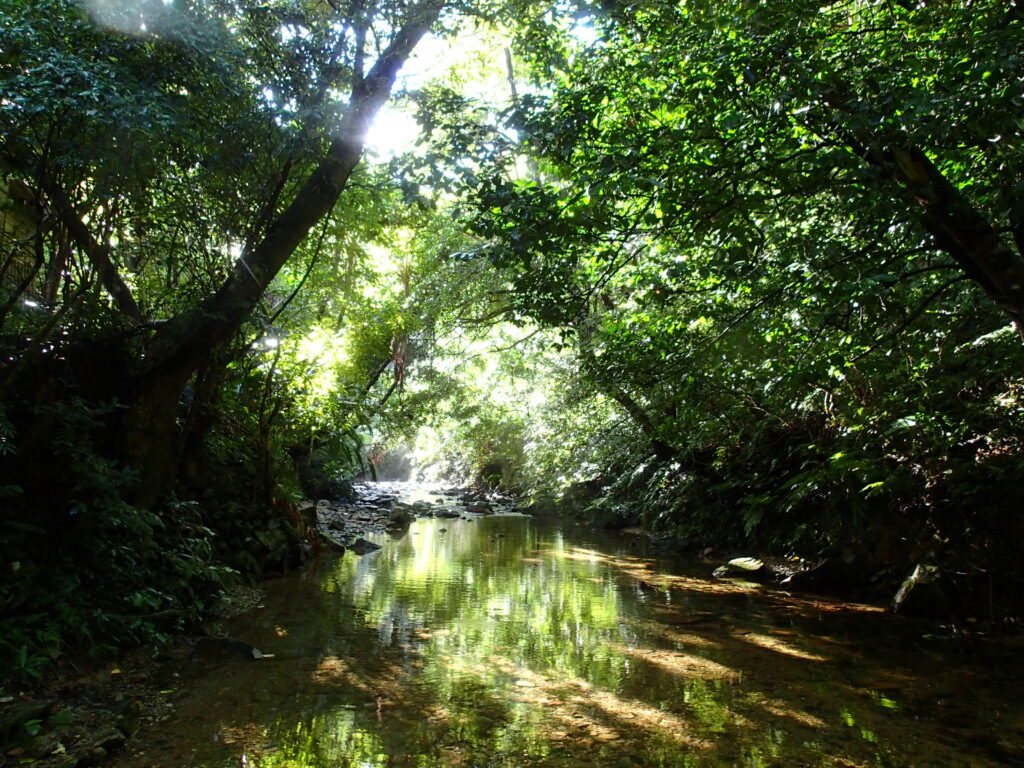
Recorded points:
(514, 642)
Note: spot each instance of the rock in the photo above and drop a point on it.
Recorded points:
(400, 518)
(363, 547)
(540, 507)
(746, 564)
(308, 513)
(636, 531)
(101, 745)
(479, 508)
(332, 544)
(446, 513)
(787, 572)
(747, 567)
(12, 721)
(828, 574)
(921, 592)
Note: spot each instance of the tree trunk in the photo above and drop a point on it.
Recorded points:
(960, 230)
(182, 345)
(954, 222)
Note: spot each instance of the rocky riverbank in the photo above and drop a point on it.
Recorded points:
(391, 507)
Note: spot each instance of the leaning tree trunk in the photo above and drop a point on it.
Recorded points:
(181, 346)
(960, 229)
(955, 223)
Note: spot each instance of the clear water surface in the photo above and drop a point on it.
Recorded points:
(509, 641)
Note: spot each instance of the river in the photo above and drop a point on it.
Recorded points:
(512, 641)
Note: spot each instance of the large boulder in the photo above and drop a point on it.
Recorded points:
(400, 518)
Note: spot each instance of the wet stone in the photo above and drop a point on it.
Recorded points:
(363, 547)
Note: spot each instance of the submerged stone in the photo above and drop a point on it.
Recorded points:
(363, 547)
(401, 518)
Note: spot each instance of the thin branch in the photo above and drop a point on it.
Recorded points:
(912, 316)
(97, 253)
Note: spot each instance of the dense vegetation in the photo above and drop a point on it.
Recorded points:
(747, 274)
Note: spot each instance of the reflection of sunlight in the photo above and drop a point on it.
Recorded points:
(677, 637)
(644, 716)
(499, 605)
(779, 708)
(553, 658)
(469, 649)
(586, 555)
(780, 646)
(628, 714)
(332, 670)
(678, 663)
(583, 712)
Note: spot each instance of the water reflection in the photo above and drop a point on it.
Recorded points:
(510, 642)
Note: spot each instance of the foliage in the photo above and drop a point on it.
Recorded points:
(739, 273)
(718, 228)
(153, 574)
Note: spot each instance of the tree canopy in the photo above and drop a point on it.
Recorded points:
(748, 274)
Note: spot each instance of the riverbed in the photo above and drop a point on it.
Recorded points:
(512, 641)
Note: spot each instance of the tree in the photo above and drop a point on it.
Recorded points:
(315, 52)
(767, 228)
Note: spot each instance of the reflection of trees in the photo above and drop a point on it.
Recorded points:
(470, 649)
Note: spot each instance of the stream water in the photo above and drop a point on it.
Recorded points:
(510, 641)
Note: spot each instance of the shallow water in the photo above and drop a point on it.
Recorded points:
(509, 641)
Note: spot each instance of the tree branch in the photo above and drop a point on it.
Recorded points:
(189, 337)
(98, 253)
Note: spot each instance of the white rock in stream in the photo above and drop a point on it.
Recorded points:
(746, 563)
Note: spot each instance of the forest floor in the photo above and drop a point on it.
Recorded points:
(85, 710)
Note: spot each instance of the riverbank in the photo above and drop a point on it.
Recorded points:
(84, 711)
(393, 506)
